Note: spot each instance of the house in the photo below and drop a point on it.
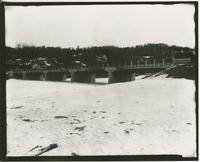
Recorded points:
(36, 66)
(181, 60)
(11, 64)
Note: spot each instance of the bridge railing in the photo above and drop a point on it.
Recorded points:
(158, 65)
(95, 67)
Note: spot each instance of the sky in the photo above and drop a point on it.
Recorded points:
(100, 25)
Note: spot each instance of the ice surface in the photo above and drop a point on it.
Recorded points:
(149, 116)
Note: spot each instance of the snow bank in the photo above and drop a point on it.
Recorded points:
(186, 71)
(148, 116)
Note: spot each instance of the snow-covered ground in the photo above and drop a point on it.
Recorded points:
(149, 116)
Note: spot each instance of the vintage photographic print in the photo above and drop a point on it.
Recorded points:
(101, 80)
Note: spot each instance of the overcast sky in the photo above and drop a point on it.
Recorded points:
(98, 25)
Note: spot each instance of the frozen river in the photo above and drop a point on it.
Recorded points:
(149, 116)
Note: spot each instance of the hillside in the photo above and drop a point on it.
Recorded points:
(47, 57)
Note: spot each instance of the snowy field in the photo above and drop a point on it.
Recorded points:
(149, 116)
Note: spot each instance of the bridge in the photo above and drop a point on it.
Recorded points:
(115, 73)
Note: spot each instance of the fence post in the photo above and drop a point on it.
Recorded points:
(24, 76)
(163, 61)
(131, 63)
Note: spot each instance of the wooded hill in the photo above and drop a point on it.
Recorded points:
(26, 56)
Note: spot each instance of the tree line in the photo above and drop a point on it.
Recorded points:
(24, 55)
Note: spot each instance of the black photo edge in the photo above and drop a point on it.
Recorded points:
(3, 135)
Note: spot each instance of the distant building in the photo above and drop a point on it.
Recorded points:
(181, 60)
(41, 59)
(11, 64)
(36, 66)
